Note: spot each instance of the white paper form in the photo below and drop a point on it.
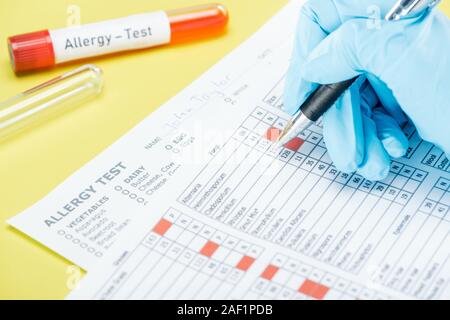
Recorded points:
(82, 217)
(238, 219)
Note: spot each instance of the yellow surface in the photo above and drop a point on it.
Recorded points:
(33, 164)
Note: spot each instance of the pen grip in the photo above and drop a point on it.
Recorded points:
(321, 100)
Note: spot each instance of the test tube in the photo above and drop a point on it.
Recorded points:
(197, 22)
(48, 100)
(46, 48)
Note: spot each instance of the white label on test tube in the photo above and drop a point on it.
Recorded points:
(133, 32)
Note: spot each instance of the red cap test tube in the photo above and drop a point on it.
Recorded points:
(46, 48)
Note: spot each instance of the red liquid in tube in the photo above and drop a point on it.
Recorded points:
(197, 22)
(46, 48)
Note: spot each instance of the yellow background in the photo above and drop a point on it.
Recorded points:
(33, 164)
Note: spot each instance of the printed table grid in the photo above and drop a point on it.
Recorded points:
(287, 278)
(436, 158)
(311, 210)
(437, 202)
(414, 140)
(420, 266)
(182, 256)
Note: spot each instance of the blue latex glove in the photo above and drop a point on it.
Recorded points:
(405, 68)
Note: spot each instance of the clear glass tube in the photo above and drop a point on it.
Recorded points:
(50, 99)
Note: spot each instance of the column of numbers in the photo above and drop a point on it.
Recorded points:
(437, 202)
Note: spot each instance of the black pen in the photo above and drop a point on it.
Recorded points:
(319, 102)
(325, 96)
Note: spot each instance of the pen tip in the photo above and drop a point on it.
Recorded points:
(392, 17)
(279, 140)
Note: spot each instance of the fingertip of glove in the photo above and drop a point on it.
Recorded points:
(290, 98)
(346, 166)
(376, 167)
(291, 111)
(295, 93)
(312, 70)
(289, 105)
(376, 174)
(395, 147)
(382, 174)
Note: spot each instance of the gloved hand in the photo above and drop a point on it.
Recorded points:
(405, 68)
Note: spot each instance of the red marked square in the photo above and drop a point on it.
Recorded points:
(308, 287)
(295, 144)
(313, 289)
(269, 272)
(273, 134)
(245, 263)
(162, 227)
(209, 248)
(319, 292)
